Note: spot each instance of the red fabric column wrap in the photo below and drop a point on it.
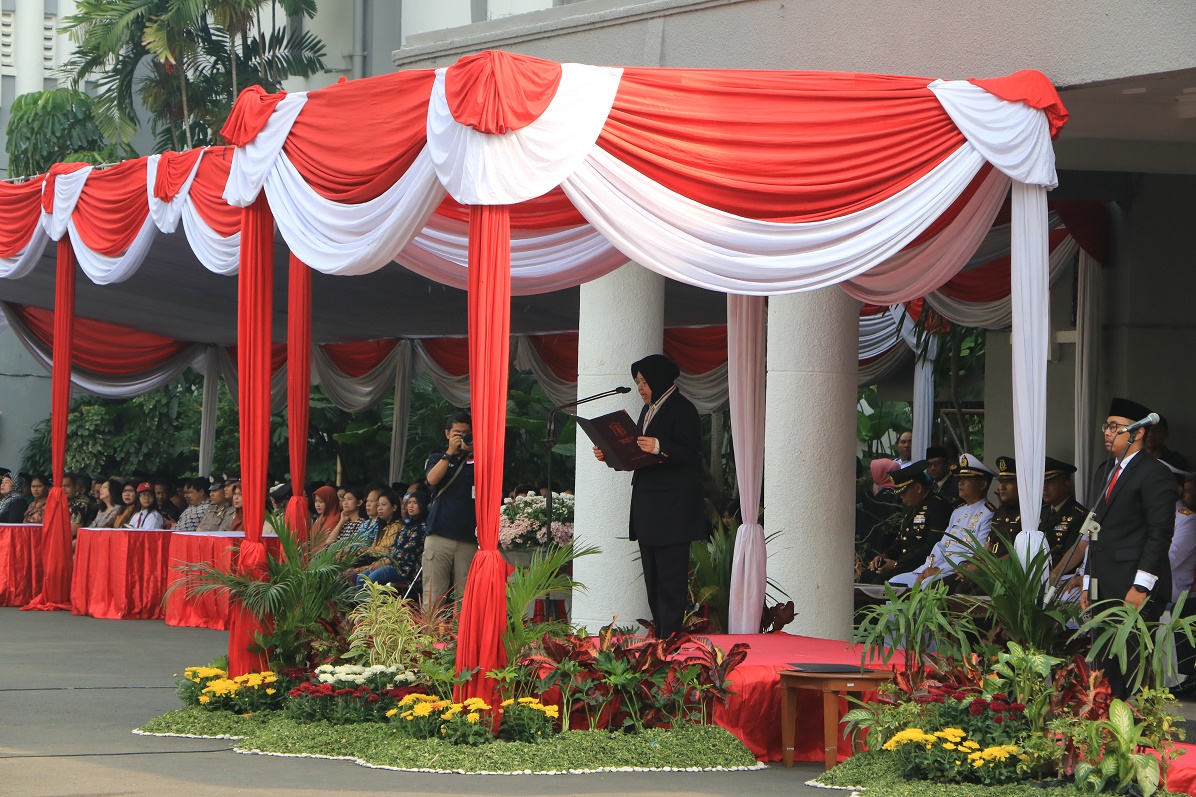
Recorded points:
(55, 592)
(484, 609)
(255, 288)
(298, 391)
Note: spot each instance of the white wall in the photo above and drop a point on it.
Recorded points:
(24, 398)
(421, 16)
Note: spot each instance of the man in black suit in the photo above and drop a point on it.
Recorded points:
(667, 510)
(1136, 512)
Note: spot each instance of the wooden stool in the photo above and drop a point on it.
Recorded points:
(832, 685)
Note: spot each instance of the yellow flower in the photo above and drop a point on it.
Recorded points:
(949, 746)
(473, 717)
(506, 703)
(526, 700)
(422, 710)
(392, 712)
(552, 711)
(205, 699)
(416, 697)
(909, 735)
(971, 745)
(271, 691)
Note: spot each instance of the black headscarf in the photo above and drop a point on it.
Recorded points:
(658, 371)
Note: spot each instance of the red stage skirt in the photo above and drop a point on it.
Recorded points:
(20, 563)
(218, 548)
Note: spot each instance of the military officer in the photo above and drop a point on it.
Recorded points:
(1007, 519)
(926, 517)
(1062, 517)
(967, 529)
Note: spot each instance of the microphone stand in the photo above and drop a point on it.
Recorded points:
(1091, 529)
(550, 435)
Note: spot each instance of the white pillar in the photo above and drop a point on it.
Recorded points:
(621, 321)
(28, 19)
(809, 456)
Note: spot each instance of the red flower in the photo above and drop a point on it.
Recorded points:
(1017, 707)
(998, 719)
(373, 698)
(998, 706)
(961, 695)
(976, 709)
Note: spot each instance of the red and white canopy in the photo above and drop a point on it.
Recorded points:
(510, 174)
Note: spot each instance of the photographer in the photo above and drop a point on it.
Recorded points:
(452, 539)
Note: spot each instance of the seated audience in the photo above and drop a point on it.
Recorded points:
(968, 528)
(12, 498)
(941, 470)
(328, 515)
(163, 492)
(220, 514)
(353, 517)
(147, 516)
(195, 491)
(238, 522)
(1156, 446)
(77, 488)
(128, 505)
(1183, 543)
(400, 567)
(389, 526)
(1007, 519)
(110, 503)
(1062, 518)
(38, 488)
(877, 512)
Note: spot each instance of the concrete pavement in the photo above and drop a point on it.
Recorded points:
(72, 689)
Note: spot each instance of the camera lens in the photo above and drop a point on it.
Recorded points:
(467, 438)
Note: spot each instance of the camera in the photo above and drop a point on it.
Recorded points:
(467, 438)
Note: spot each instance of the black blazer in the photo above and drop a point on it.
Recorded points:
(1136, 526)
(666, 499)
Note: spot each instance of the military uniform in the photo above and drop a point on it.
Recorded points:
(1062, 526)
(967, 530)
(1007, 518)
(920, 529)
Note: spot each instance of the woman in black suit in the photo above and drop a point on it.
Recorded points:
(667, 511)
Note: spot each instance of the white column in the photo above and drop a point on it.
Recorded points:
(621, 321)
(809, 451)
(27, 45)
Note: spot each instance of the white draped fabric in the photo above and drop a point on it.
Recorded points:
(878, 334)
(455, 389)
(23, 263)
(356, 394)
(211, 398)
(872, 372)
(746, 338)
(278, 381)
(1088, 324)
(526, 359)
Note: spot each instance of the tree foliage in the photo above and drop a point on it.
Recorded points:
(186, 60)
(54, 126)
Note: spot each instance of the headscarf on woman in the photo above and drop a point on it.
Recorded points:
(332, 511)
(14, 498)
(659, 372)
(881, 468)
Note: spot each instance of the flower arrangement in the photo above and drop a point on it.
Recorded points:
(526, 719)
(523, 522)
(423, 716)
(376, 676)
(212, 689)
(949, 755)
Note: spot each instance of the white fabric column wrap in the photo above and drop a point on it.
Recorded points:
(746, 360)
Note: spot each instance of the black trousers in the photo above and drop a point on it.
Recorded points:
(666, 576)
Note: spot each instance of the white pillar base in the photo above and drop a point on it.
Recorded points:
(809, 456)
(622, 320)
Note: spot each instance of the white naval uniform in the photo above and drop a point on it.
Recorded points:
(968, 529)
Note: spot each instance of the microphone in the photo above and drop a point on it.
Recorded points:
(1153, 418)
(612, 392)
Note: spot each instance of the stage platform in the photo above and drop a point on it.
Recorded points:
(754, 711)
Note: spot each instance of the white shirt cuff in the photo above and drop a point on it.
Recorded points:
(1086, 583)
(656, 448)
(1144, 579)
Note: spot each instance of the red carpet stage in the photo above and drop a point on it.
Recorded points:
(754, 711)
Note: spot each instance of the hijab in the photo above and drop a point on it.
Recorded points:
(881, 468)
(658, 371)
(332, 509)
(18, 491)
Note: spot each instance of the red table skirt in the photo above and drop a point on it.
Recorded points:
(20, 563)
(211, 609)
(120, 574)
(753, 713)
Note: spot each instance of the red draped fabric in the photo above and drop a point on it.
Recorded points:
(548, 212)
(55, 591)
(835, 161)
(101, 347)
(484, 609)
(52, 177)
(452, 354)
(22, 203)
(121, 574)
(278, 353)
(396, 130)
(495, 91)
(112, 208)
(298, 391)
(207, 192)
(559, 353)
(1087, 222)
(173, 170)
(357, 359)
(255, 310)
(1032, 88)
(696, 350)
(249, 115)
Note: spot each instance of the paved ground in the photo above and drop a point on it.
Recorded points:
(72, 688)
